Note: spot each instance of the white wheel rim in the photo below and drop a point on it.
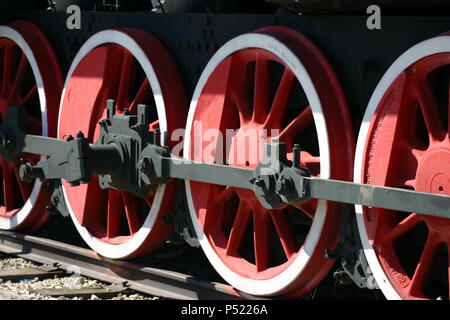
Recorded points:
(119, 251)
(423, 49)
(18, 218)
(276, 284)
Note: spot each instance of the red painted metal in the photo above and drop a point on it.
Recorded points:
(110, 71)
(409, 137)
(239, 90)
(18, 86)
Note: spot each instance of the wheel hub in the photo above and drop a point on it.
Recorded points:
(433, 175)
(434, 171)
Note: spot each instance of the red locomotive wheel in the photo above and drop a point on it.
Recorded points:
(132, 67)
(270, 84)
(29, 76)
(404, 142)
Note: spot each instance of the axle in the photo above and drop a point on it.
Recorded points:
(129, 157)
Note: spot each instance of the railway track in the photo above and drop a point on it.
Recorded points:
(151, 281)
(21, 279)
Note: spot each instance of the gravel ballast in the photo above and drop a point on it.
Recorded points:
(28, 288)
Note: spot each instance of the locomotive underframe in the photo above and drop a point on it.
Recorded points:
(193, 38)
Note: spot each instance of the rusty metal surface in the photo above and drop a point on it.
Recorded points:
(157, 282)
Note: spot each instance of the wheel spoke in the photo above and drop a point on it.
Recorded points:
(2, 49)
(142, 95)
(20, 76)
(262, 89)
(225, 195)
(238, 229)
(261, 232)
(418, 154)
(281, 100)
(92, 203)
(132, 212)
(308, 208)
(125, 82)
(410, 183)
(30, 94)
(8, 187)
(115, 207)
(208, 221)
(391, 132)
(308, 159)
(404, 226)
(430, 110)
(310, 162)
(285, 232)
(25, 188)
(154, 125)
(34, 125)
(297, 125)
(243, 104)
(424, 266)
(6, 68)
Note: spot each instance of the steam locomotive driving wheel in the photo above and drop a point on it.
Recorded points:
(404, 143)
(131, 67)
(272, 84)
(30, 77)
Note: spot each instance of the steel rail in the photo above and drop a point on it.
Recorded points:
(152, 281)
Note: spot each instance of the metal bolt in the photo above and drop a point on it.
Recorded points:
(296, 156)
(110, 108)
(283, 186)
(144, 165)
(259, 182)
(69, 138)
(126, 111)
(102, 123)
(5, 143)
(51, 209)
(28, 172)
(80, 135)
(9, 145)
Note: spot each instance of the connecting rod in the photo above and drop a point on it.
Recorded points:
(129, 157)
